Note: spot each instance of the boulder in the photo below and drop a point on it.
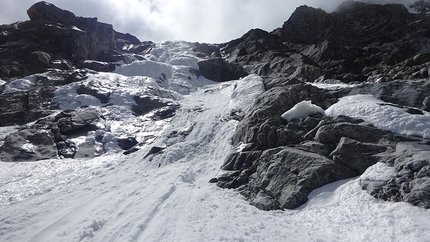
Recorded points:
(407, 175)
(285, 176)
(355, 155)
(43, 11)
(28, 145)
(127, 143)
(333, 133)
(38, 58)
(160, 108)
(81, 120)
(95, 92)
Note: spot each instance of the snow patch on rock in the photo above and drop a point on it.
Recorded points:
(302, 110)
(22, 84)
(246, 92)
(382, 115)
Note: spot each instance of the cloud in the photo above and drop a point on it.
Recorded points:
(192, 20)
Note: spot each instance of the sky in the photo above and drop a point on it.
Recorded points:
(191, 20)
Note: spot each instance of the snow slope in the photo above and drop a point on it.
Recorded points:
(167, 197)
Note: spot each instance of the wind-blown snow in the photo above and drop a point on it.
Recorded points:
(167, 197)
(302, 110)
(383, 115)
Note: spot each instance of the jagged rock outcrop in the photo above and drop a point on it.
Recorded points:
(28, 99)
(28, 145)
(56, 38)
(357, 42)
(409, 180)
(37, 57)
(283, 161)
(279, 162)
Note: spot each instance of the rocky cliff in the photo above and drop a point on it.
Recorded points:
(384, 50)
(380, 50)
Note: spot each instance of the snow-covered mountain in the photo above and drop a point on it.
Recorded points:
(321, 138)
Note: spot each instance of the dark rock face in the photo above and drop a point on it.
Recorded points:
(127, 143)
(52, 49)
(73, 121)
(355, 43)
(46, 11)
(410, 181)
(283, 161)
(56, 38)
(285, 176)
(286, 162)
(19, 106)
(220, 70)
(28, 145)
(161, 109)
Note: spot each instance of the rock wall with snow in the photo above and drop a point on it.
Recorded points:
(380, 50)
(72, 87)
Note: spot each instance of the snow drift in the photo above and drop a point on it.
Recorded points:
(302, 110)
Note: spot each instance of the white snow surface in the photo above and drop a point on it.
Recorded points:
(382, 115)
(22, 84)
(302, 110)
(167, 197)
(332, 86)
(249, 89)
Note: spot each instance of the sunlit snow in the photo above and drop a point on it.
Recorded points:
(302, 110)
(166, 196)
(383, 115)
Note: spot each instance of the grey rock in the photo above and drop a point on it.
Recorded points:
(96, 65)
(160, 108)
(220, 70)
(410, 182)
(404, 93)
(285, 176)
(355, 155)
(240, 160)
(332, 133)
(127, 143)
(419, 194)
(38, 58)
(79, 120)
(66, 148)
(154, 151)
(95, 92)
(315, 147)
(28, 145)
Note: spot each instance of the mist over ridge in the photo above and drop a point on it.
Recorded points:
(190, 20)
